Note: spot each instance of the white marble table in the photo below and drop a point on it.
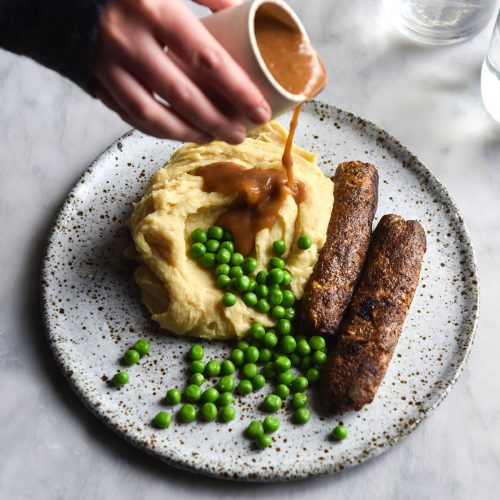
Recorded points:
(52, 447)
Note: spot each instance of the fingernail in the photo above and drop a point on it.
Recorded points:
(260, 113)
(236, 134)
(203, 139)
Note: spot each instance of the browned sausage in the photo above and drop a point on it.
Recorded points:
(371, 328)
(341, 259)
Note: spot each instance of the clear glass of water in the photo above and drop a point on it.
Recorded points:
(490, 75)
(439, 22)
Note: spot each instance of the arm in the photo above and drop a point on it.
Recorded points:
(60, 34)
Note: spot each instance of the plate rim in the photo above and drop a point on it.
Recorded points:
(325, 467)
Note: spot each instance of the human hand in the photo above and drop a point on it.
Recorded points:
(204, 87)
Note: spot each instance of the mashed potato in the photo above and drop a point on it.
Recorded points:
(181, 295)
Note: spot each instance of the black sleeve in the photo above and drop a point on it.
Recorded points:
(60, 34)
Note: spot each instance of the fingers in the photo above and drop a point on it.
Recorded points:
(183, 33)
(184, 96)
(218, 4)
(136, 105)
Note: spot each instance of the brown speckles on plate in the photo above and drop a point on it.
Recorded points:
(93, 314)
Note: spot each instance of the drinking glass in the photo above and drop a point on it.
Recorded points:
(439, 22)
(490, 75)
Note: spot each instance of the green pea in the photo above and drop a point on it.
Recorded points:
(262, 291)
(257, 331)
(299, 399)
(275, 297)
(249, 370)
(276, 263)
(320, 357)
(264, 355)
(264, 441)
(225, 399)
(208, 260)
(237, 357)
(237, 259)
(282, 364)
(304, 242)
(210, 395)
(192, 393)
(228, 245)
(300, 384)
(258, 382)
(340, 432)
(236, 272)
(199, 236)
(279, 247)
(272, 403)
(223, 281)
(288, 298)
(222, 269)
(249, 265)
(228, 299)
(284, 326)
(244, 387)
(294, 358)
(278, 312)
(286, 377)
(213, 247)
(227, 235)
(303, 347)
(142, 347)
(254, 429)
(250, 299)
(212, 369)
(261, 277)
(243, 345)
(263, 306)
(270, 340)
(197, 250)
(227, 367)
(226, 384)
(227, 413)
(317, 343)
(302, 415)
(306, 362)
(196, 352)
(275, 276)
(271, 424)
(187, 413)
(196, 379)
(162, 420)
(312, 374)
(242, 283)
(223, 256)
(282, 391)
(269, 371)
(131, 357)
(215, 232)
(120, 379)
(252, 354)
(290, 313)
(288, 344)
(209, 412)
(287, 278)
(173, 396)
(252, 286)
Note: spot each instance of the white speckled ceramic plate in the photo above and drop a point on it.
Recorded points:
(94, 314)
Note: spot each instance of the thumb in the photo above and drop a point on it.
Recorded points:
(218, 4)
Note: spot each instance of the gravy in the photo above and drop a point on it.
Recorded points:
(288, 54)
(293, 62)
(260, 194)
